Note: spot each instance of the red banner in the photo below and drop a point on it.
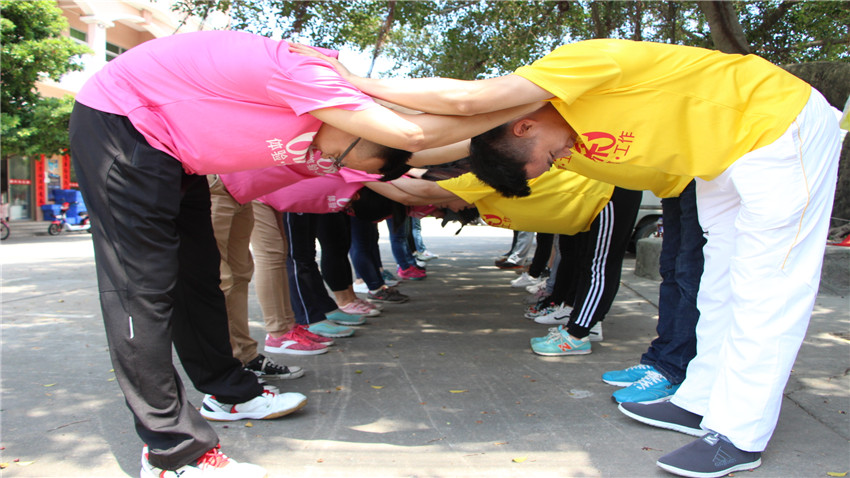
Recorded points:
(40, 185)
(66, 172)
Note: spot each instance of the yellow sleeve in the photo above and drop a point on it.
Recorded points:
(467, 187)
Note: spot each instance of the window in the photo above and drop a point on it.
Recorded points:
(113, 50)
(79, 36)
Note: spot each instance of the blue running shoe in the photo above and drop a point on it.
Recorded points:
(652, 388)
(342, 318)
(561, 344)
(624, 378)
(327, 328)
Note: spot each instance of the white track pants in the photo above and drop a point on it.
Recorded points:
(766, 220)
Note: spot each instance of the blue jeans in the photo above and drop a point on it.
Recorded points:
(398, 243)
(416, 232)
(365, 254)
(680, 265)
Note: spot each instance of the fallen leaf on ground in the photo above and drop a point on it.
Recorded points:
(520, 459)
(25, 463)
(49, 384)
(835, 473)
(377, 387)
(248, 424)
(458, 391)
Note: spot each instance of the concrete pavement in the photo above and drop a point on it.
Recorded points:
(442, 386)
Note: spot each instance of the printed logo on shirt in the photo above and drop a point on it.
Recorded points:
(496, 221)
(337, 204)
(293, 152)
(605, 147)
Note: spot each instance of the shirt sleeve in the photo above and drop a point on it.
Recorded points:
(572, 71)
(467, 186)
(311, 84)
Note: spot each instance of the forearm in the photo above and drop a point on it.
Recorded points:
(441, 155)
(397, 195)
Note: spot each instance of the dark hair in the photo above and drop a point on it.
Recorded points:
(496, 159)
(446, 171)
(395, 160)
(373, 207)
(466, 216)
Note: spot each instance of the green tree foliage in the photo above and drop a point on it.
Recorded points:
(33, 48)
(473, 39)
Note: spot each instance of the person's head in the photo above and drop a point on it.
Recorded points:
(361, 154)
(508, 155)
(373, 207)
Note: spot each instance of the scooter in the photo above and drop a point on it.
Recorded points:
(60, 222)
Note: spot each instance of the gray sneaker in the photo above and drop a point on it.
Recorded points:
(711, 456)
(389, 295)
(664, 415)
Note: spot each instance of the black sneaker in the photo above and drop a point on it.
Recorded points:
(711, 456)
(664, 415)
(389, 295)
(264, 368)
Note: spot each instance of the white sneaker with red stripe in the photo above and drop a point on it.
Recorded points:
(265, 406)
(212, 464)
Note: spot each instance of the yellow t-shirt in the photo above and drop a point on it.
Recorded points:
(561, 202)
(646, 111)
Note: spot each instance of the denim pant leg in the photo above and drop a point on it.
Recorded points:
(416, 231)
(398, 243)
(681, 265)
(364, 238)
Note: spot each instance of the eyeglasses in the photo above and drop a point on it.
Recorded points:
(338, 159)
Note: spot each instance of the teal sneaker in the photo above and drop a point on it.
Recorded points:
(595, 333)
(561, 344)
(652, 388)
(554, 332)
(624, 378)
(327, 328)
(342, 318)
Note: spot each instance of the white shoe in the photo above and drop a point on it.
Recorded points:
(426, 255)
(213, 464)
(265, 406)
(524, 280)
(360, 288)
(559, 316)
(596, 332)
(537, 287)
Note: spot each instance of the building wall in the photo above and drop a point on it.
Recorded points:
(26, 182)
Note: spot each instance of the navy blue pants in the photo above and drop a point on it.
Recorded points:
(680, 265)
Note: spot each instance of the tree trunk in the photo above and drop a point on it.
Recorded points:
(726, 30)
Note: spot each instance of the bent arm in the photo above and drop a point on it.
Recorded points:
(416, 132)
(441, 155)
(412, 192)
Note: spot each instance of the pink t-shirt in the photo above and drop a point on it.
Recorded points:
(223, 101)
(324, 194)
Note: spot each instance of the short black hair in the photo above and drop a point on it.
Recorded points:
(373, 207)
(499, 161)
(395, 160)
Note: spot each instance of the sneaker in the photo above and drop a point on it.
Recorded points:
(652, 388)
(420, 263)
(360, 288)
(356, 307)
(538, 296)
(411, 273)
(327, 328)
(624, 378)
(560, 315)
(553, 334)
(264, 406)
(319, 339)
(541, 308)
(266, 368)
(212, 463)
(508, 265)
(369, 304)
(389, 279)
(664, 415)
(343, 318)
(537, 287)
(711, 456)
(426, 255)
(524, 280)
(389, 295)
(293, 343)
(561, 344)
(595, 332)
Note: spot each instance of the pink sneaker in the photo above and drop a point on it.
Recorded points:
(359, 308)
(295, 344)
(370, 304)
(411, 273)
(305, 332)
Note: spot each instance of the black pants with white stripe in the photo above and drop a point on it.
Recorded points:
(588, 276)
(158, 275)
